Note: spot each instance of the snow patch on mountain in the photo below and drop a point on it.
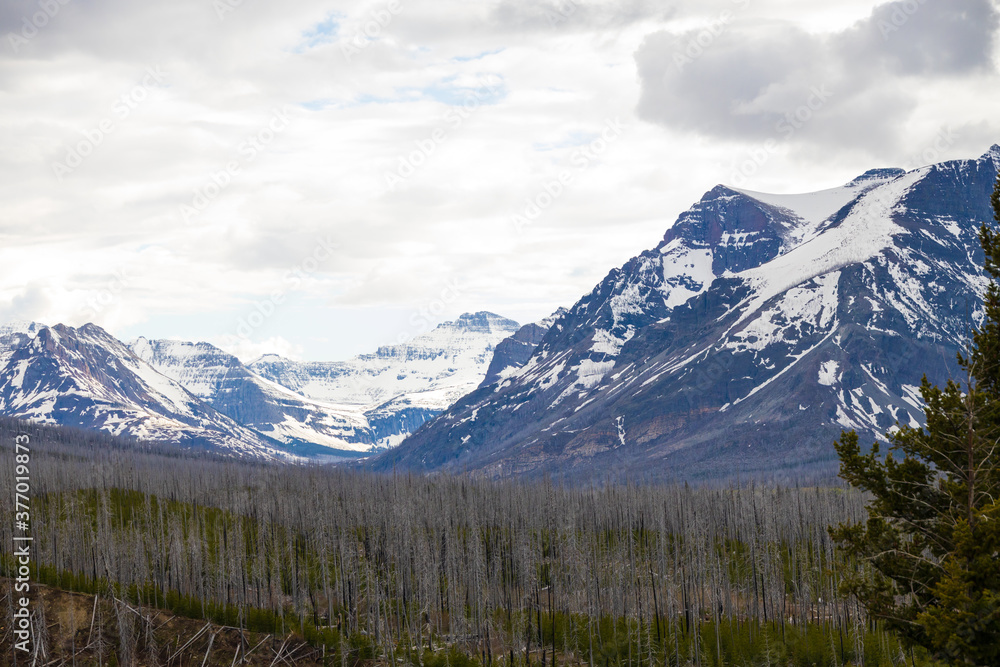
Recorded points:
(608, 344)
(814, 303)
(864, 233)
(687, 272)
(828, 373)
(815, 208)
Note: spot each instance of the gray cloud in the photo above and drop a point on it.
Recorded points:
(32, 303)
(753, 81)
(923, 37)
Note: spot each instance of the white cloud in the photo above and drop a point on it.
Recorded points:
(205, 126)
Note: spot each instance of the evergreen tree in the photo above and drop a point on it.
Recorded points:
(929, 552)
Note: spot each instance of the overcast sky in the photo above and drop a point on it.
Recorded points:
(317, 178)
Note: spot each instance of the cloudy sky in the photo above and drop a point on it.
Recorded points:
(316, 178)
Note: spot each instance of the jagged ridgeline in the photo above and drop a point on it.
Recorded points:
(430, 571)
(195, 394)
(740, 346)
(759, 328)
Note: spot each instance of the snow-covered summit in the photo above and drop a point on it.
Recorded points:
(451, 358)
(15, 334)
(761, 326)
(85, 377)
(310, 427)
(195, 394)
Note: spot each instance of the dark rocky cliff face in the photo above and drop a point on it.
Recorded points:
(514, 352)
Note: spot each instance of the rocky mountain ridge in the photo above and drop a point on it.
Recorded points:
(759, 328)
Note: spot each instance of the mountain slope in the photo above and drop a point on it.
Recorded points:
(222, 381)
(514, 351)
(399, 387)
(14, 335)
(760, 327)
(86, 378)
(196, 394)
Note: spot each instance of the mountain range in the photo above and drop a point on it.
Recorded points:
(86, 378)
(196, 395)
(399, 387)
(758, 329)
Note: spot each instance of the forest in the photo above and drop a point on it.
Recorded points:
(428, 571)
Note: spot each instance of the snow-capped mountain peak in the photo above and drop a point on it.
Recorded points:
(195, 394)
(85, 377)
(336, 408)
(452, 357)
(760, 327)
(310, 427)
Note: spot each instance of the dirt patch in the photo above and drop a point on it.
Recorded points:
(86, 630)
